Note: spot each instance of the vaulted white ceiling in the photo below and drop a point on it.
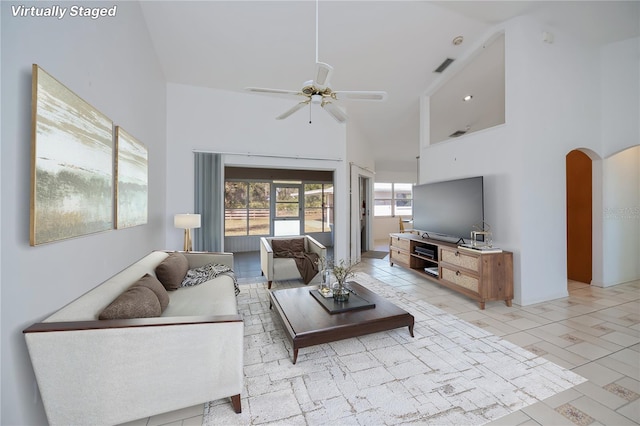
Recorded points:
(373, 45)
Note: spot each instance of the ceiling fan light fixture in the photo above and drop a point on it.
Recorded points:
(316, 99)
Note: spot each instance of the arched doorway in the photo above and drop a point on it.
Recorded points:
(579, 217)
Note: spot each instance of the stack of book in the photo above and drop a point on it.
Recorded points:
(480, 249)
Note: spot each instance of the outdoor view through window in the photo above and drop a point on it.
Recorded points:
(262, 208)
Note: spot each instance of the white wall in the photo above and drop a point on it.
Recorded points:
(555, 110)
(553, 106)
(111, 64)
(621, 217)
(236, 123)
(620, 135)
(620, 94)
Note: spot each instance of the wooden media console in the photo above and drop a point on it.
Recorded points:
(480, 276)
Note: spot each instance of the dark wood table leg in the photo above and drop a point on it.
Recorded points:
(295, 354)
(411, 330)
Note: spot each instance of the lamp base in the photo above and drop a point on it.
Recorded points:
(188, 246)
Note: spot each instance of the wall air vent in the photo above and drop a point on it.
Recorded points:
(457, 133)
(443, 66)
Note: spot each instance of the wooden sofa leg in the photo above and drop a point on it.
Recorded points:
(269, 284)
(235, 401)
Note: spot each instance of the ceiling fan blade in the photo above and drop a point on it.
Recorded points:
(266, 91)
(323, 75)
(335, 112)
(361, 95)
(292, 110)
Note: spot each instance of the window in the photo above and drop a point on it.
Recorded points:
(318, 207)
(246, 208)
(392, 199)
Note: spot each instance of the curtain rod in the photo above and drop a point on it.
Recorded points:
(249, 154)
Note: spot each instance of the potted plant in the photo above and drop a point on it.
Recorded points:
(342, 271)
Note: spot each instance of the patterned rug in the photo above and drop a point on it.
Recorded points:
(451, 373)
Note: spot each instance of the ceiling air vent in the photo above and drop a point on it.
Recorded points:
(443, 66)
(457, 133)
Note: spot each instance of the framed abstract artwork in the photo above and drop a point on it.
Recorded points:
(71, 164)
(132, 180)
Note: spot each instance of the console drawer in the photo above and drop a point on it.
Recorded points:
(460, 278)
(401, 243)
(457, 258)
(398, 256)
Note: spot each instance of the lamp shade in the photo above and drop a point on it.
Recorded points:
(186, 221)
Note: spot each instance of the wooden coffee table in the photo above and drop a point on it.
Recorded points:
(308, 323)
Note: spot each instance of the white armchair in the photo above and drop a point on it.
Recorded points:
(282, 268)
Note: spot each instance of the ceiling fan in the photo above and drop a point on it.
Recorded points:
(317, 91)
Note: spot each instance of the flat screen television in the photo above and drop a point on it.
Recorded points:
(448, 210)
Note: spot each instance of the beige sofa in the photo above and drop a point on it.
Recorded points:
(94, 372)
(281, 268)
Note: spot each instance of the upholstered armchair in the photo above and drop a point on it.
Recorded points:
(283, 268)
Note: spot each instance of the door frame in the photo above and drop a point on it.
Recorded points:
(358, 175)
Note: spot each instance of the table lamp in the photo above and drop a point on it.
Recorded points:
(187, 221)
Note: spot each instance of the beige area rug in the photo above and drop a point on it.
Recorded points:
(451, 373)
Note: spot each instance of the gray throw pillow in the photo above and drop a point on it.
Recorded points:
(156, 286)
(135, 302)
(172, 270)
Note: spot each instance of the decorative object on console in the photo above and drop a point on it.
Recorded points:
(481, 235)
(131, 180)
(71, 164)
(187, 221)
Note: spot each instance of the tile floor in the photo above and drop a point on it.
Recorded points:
(595, 332)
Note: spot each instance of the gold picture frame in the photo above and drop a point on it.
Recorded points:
(132, 180)
(71, 164)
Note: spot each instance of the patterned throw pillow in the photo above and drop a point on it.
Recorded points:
(208, 272)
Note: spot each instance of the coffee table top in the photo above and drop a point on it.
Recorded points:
(304, 314)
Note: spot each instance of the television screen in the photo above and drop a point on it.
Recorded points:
(449, 208)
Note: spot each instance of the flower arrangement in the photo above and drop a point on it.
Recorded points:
(343, 271)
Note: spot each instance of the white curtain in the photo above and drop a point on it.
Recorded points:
(209, 201)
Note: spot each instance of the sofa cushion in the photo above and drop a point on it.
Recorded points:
(156, 286)
(292, 245)
(172, 271)
(136, 302)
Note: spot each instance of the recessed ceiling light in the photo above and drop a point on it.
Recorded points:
(467, 98)
(457, 41)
